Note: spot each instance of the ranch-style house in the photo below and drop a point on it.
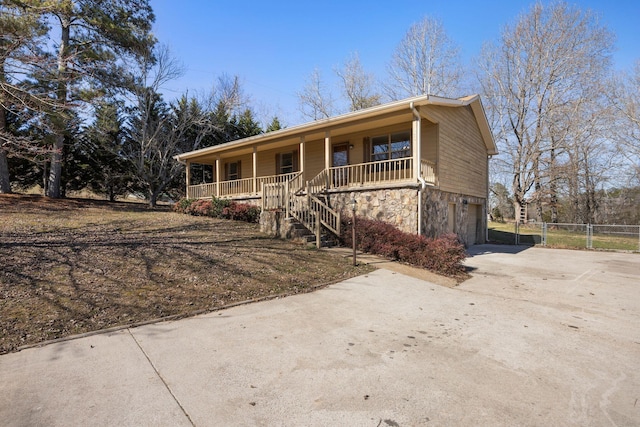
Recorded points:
(420, 164)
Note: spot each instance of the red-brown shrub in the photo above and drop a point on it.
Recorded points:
(182, 205)
(443, 254)
(218, 208)
(201, 207)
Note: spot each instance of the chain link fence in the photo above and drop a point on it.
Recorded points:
(590, 236)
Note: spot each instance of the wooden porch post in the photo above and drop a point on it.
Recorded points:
(417, 144)
(301, 153)
(188, 176)
(255, 169)
(327, 150)
(218, 176)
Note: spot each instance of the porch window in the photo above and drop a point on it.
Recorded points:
(391, 146)
(286, 163)
(201, 174)
(233, 171)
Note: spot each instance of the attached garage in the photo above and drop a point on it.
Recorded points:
(474, 226)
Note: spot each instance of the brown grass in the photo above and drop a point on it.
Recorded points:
(73, 266)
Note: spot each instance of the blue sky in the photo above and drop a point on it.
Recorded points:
(274, 45)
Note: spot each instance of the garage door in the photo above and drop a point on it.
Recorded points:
(473, 223)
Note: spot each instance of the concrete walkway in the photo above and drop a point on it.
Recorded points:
(536, 337)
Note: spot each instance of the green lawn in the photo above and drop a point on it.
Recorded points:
(559, 237)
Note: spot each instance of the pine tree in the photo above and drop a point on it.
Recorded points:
(104, 144)
(274, 125)
(244, 125)
(20, 32)
(95, 40)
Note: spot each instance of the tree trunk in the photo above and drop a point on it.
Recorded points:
(537, 185)
(5, 183)
(55, 171)
(153, 198)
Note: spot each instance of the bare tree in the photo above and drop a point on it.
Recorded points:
(537, 82)
(358, 86)
(625, 99)
(228, 93)
(315, 99)
(158, 131)
(425, 62)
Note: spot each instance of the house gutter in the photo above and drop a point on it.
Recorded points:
(486, 203)
(418, 157)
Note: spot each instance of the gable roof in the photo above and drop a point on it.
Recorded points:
(318, 125)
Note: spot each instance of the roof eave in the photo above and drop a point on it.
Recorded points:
(318, 125)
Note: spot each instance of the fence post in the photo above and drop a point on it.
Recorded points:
(589, 236)
(517, 233)
(318, 231)
(286, 199)
(544, 234)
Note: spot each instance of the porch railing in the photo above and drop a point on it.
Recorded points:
(240, 186)
(428, 172)
(318, 183)
(274, 196)
(202, 190)
(296, 184)
(274, 179)
(327, 216)
(312, 213)
(237, 186)
(371, 173)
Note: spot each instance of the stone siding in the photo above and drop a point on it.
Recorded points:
(275, 224)
(435, 215)
(394, 206)
(398, 207)
(249, 200)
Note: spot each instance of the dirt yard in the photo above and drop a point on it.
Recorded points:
(73, 266)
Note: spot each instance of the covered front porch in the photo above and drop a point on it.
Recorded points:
(377, 174)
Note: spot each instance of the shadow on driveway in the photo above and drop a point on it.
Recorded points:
(495, 249)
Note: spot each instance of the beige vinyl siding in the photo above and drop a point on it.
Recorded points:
(314, 158)
(246, 166)
(429, 136)
(462, 161)
(267, 162)
(267, 159)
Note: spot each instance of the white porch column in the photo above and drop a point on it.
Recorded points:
(416, 131)
(218, 176)
(417, 143)
(255, 169)
(188, 176)
(327, 150)
(301, 154)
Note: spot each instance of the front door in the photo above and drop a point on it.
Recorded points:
(340, 157)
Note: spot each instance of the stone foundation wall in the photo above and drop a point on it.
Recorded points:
(398, 207)
(275, 224)
(435, 215)
(249, 200)
(395, 206)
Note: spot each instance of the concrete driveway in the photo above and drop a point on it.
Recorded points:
(537, 337)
